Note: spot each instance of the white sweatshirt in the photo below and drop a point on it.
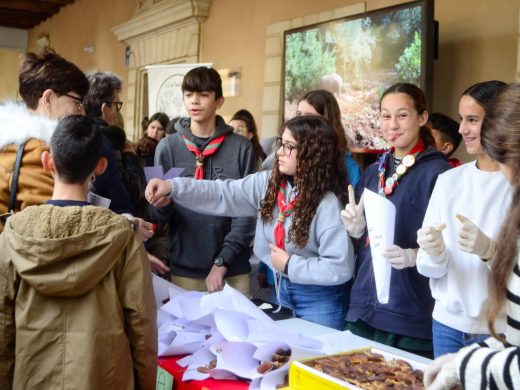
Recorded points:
(459, 280)
(494, 364)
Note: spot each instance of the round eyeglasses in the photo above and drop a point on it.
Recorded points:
(287, 147)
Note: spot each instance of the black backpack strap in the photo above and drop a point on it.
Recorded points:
(16, 174)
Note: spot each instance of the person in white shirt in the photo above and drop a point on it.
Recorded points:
(457, 238)
(495, 362)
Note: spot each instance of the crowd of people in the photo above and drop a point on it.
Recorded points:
(82, 229)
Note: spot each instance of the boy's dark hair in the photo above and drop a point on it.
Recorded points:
(203, 79)
(448, 127)
(47, 70)
(103, 86)
(76, 146)
(116, 136)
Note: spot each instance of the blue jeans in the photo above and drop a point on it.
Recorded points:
(447, 340)
(324, 305)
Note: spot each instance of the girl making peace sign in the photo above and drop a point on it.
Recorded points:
(405, 175)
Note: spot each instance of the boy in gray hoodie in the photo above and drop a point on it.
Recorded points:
(205, 251)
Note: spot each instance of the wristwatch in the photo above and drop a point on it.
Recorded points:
(219, 262)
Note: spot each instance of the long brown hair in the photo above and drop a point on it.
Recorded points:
(500, 138)
(420, 102)
(320, 168)
(327, 106)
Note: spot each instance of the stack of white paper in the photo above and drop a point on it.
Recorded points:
(225, 336)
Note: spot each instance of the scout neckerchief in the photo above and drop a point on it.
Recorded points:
(285, 211)
(210, 149)
(387, 186)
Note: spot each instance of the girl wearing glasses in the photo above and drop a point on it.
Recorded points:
(405, 175)
(298, 231)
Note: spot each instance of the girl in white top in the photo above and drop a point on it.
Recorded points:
(495, 362)
(464, 215)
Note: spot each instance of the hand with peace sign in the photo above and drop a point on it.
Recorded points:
(353, 217)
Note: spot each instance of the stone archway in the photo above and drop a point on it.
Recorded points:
(160, 32)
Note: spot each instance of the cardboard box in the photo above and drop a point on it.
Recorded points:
(302, 376)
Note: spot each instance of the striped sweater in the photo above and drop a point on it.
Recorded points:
(493, 364)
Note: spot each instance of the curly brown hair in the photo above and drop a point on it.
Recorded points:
(320, 168)
(500, 138)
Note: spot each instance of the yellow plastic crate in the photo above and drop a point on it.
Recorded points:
(304, 377)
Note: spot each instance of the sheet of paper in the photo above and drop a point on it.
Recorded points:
(197, 362)
(237, 358)
(380, 215)
(156, 172)
(97, 200)
(173, 172)
(161, 290)
(270, 332)
(153, 173)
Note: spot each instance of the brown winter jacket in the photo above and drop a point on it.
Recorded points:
(77, 309)
(35, 185)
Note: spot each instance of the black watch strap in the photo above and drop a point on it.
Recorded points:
(220, 262)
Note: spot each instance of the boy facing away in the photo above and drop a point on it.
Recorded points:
(206, 250)
(77, 307)
(445, 131)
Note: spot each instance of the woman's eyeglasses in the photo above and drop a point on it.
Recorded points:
(242, 130)
(119, 105)
(287, 147)
(77, 100)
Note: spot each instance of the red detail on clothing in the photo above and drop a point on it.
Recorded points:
(210, 149)
(454, 162)
(418, 148)
(285, 211)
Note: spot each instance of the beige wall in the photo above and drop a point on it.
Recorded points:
(478, 41)
(8, 74)
(234, 36)
(84, 23)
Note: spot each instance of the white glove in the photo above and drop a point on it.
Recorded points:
(442, 373)
(352, 217)
(400, 258)
(472, 240)
(430, 240)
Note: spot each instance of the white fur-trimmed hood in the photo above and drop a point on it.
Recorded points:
(17, 125)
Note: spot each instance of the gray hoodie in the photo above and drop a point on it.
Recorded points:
(326, 259)
(196, 239)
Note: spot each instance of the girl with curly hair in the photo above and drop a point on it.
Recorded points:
(405, 174)
(299, 231)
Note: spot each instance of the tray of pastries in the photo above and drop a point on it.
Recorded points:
(360, 369)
